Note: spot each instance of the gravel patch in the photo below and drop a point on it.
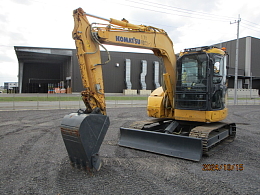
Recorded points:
(34, 159)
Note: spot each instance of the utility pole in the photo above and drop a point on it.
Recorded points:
(236, 63)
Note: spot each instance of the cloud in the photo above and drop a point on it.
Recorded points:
(13, 38)
(23, 2)
(3, 19)
(8, 72)
(5, 58)
(198, 6)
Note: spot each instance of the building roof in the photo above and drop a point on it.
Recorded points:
(40, 54)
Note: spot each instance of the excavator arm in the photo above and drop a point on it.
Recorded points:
(89, 59)
(89, 37)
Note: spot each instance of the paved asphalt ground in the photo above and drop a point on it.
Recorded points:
(34, 159)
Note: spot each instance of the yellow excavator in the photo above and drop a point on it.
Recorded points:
(187, 109)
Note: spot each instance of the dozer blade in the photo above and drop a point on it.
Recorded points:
(167, 144)
(83, 135)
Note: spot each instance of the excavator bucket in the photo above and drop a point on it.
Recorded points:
(83, 135)
(189, 148)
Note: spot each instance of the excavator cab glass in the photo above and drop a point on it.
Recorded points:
(200, 77)
(192, 81)
(218, 87)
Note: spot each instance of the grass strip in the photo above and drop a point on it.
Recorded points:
(67, 98)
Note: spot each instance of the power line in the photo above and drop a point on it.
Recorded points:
(177, 9)
(250, 28)
(252, 23)
(184, 12)
(198, 15)
(204, 18)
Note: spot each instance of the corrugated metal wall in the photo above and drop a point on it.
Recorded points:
(36, 76)
(255, 57)
(231, 50)
(114, 75)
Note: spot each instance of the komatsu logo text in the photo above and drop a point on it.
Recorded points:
(128, 40)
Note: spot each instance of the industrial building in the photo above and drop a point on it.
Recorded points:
(11, 87)
(248, 62)
(44, 69)
(41, 70)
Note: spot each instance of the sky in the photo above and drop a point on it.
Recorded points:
(190, 23)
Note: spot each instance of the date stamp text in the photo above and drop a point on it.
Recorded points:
(222, 167)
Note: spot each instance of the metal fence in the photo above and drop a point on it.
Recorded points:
(63, 101)
(245, 100)
(60, 101)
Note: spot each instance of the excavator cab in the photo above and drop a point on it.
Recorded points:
(201, 80)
